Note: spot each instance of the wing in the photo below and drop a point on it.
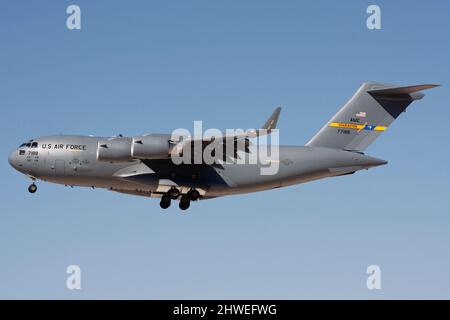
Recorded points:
(240, 140)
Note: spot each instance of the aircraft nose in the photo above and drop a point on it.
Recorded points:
(12, 159)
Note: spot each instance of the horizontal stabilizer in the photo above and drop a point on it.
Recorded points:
(402, 90)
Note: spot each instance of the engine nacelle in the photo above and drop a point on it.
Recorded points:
(114, 150)
(152, 146)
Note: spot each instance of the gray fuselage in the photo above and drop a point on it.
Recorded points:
(72, 161)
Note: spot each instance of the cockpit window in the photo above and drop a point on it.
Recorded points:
(28, 145)
(34, 145)
(22, 145)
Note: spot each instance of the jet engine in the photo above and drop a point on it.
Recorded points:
(114, 150)
(152, 146)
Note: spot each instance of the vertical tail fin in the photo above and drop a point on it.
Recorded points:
(366, 115)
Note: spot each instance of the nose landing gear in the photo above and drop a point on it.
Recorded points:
(32, 188)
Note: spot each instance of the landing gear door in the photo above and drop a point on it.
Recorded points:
(60, 167)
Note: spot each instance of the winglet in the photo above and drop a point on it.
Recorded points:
(271, 123)
(267, 127)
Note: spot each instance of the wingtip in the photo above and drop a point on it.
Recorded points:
(430, 86)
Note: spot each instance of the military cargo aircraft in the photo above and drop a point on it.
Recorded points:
(144, 165)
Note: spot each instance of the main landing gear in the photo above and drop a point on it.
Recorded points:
(193, 194)
(165, 201)
(173, 193)
(185, 200)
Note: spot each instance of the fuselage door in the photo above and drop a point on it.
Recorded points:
(60, 167)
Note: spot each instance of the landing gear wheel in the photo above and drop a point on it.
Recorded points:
(173, 193)
(185, 202)
(193, 194)
(165, 201)
(32, 188)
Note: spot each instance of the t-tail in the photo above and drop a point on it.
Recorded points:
(366, 115)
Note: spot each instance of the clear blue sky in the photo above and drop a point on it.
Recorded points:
(153, 66)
